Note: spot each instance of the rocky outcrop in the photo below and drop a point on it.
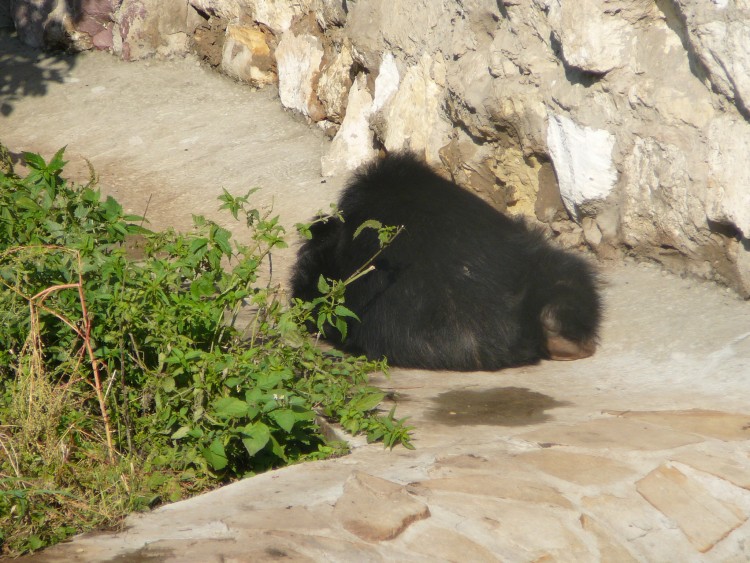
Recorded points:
(629, 117)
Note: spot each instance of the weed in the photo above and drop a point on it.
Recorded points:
(127, 381)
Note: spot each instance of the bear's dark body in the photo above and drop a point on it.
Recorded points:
(463, 287)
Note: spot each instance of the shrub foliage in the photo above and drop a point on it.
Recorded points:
(139, 367)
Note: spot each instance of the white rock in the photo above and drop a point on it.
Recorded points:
(583, 161)
(298, 59)
(660, 205)
(276, 14)
(593, 38)
(386, 84)
(415, 116)
(718, 34)
(353, 144)
(728, 193)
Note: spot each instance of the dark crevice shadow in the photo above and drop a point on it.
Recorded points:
(503, 406)
(25, 71)
(572, 74)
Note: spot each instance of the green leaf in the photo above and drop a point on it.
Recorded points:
(290, 331)
(57, 163)
(342, 328)
(268, 380)
(285, 418)
(342, 311)
(112, 209)
(304, 230)
(34, 160)
(180, 433)
(278, 449)
(202, 287)
(256, 436)
(24, 202)
(221, 238)
(369, 224)
(35, 542)
(198, 246)
(323, 286)
(215, 455)
(230, 407)
(367, 402)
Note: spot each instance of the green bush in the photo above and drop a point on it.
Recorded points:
(126, 376)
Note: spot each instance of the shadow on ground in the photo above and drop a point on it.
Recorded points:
(26, 72)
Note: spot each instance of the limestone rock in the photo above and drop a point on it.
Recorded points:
(375, 509)
(491, 485)
(335, 82)
(225, 9)
(414, 117)
(721, 425)
(150, 27)
(353, 143)
(659, 204)
(298, 58)
(719, 33)
(452, 547)
(704, 519)
(612, 433)
(728, 190)
(591, 232)
(723, 468)
(577, 468)
(56, 25)
(609, 548)
(517, 531)
(582, 157)
(277, 16)
(387, 81)
(247, 55)
(329, 13)
(600, 45)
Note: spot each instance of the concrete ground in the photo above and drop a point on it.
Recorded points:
(640, 453)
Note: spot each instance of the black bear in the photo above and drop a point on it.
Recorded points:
(462, 287)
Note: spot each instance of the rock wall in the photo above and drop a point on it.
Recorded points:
(628, 117)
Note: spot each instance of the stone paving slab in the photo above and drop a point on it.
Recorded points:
(639, 453)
